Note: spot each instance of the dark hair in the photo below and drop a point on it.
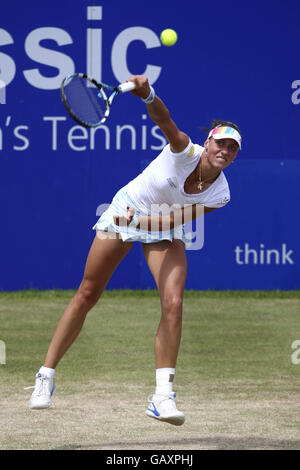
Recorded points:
(217, 123)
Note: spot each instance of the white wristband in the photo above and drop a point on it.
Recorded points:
(151, 96)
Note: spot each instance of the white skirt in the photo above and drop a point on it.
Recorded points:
(118, 206)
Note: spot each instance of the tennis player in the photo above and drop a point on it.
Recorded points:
(183, 176)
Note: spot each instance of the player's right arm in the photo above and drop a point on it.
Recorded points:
(159, 113)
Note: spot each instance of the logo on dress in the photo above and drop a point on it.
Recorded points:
(172, 182)
(191, 151)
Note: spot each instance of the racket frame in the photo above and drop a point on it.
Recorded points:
(100, 87)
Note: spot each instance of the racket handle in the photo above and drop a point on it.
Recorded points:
(127, 86)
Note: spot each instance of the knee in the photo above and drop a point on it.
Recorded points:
(88, 293)
(172, 307)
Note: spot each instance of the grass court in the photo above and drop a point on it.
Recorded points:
(237, 375)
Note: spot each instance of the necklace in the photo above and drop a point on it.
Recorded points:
(200, 182)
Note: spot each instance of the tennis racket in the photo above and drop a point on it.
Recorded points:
(86, 100)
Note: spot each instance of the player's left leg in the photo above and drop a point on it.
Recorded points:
(167, 262)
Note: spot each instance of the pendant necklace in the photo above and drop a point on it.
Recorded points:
(200, 182)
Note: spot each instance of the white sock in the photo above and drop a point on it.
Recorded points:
(47, 371)
(164, 381)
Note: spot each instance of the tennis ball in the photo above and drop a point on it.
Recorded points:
(168, 37)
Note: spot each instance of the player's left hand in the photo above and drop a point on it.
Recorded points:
(125, 219)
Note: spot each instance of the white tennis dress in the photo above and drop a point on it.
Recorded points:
(159, 189)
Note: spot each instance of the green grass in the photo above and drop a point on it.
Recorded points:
(240, 336)
(234, 376)
(256, 294)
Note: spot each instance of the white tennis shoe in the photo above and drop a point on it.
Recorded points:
(163, 408)
(43, 390)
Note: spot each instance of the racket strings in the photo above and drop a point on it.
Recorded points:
(85, 100)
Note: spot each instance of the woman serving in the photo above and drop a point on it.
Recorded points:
(182, 182)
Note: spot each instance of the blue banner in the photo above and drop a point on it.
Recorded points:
(233, 60)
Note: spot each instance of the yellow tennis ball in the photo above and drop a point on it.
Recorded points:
(168, 37)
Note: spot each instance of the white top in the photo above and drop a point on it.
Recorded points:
(162, 183)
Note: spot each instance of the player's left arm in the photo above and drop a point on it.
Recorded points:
(163, 222)
(160, 114)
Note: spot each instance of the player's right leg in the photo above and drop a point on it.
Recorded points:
(106, 253)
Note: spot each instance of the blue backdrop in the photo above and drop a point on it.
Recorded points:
(237, 61)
